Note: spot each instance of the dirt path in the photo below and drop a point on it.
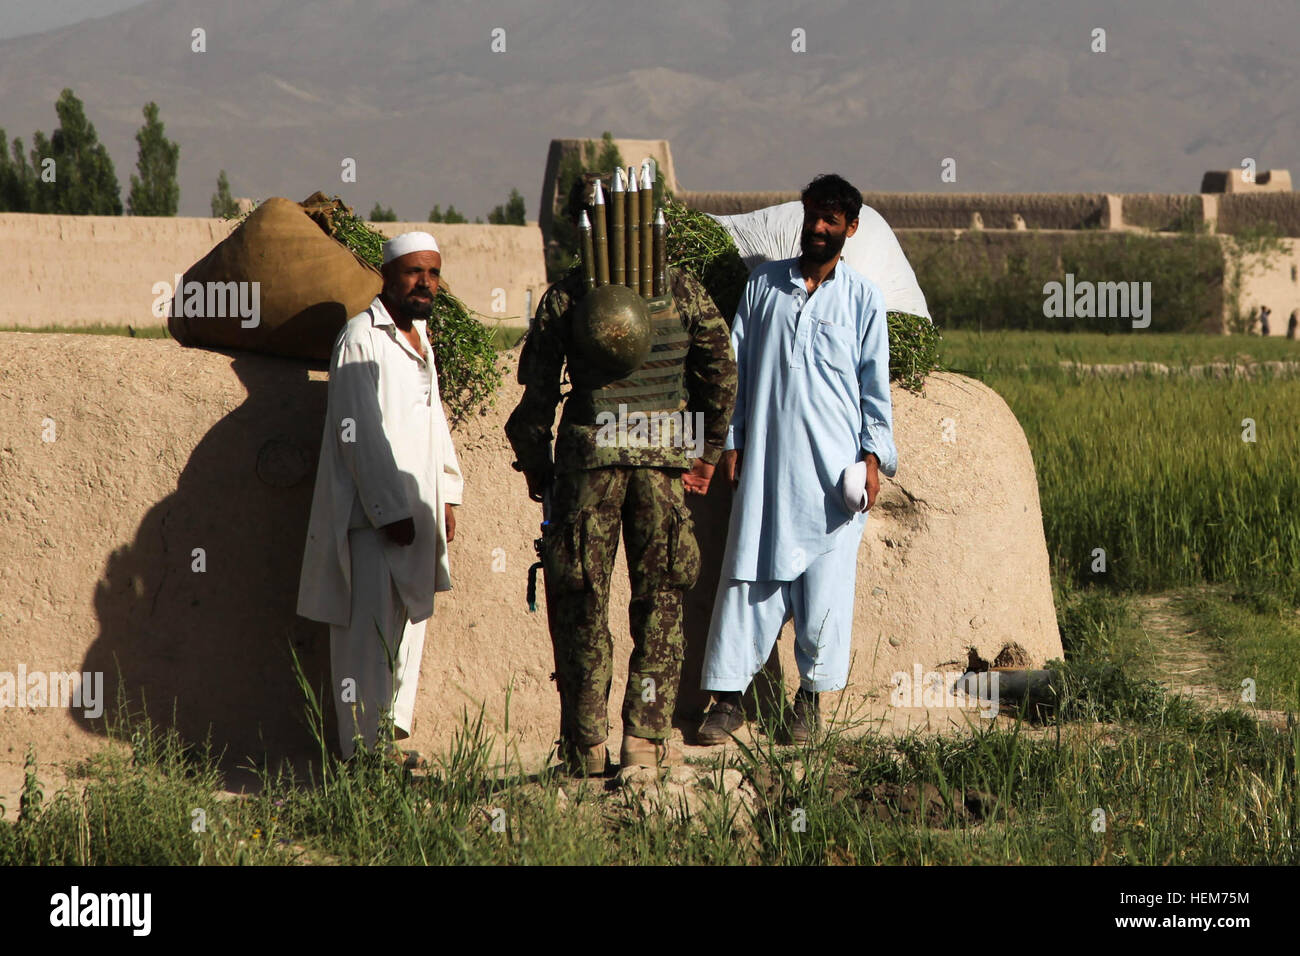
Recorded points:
(1185, 662)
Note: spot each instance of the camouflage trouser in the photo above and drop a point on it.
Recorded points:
(663, 559)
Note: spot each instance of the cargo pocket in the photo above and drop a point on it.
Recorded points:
(562, 553)
(683, 550)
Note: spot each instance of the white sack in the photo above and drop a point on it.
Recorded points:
(773, 233)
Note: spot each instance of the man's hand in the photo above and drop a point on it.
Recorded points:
(449, 519)
(873, 479)
(696, 481)
(400, 532)
(538, 482)
(731, 465)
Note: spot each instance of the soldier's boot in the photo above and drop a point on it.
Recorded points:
(579, 760)
(724, 718)
(641, 752)
(806, 719)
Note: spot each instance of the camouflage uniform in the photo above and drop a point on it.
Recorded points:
(599, 488)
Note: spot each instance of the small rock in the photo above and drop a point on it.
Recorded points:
(638, 778)
(682, 774)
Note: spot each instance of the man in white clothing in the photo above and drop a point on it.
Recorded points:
(382, 513)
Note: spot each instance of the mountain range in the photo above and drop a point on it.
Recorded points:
(413, 91)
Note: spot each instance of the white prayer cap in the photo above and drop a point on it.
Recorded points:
(408, 242)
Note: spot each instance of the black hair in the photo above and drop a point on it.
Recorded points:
(831, 191)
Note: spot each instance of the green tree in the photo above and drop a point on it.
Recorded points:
(450, 216)
(16, 180)
(223, 204)
(382, 214)
(513, 213)
(155, 191)
(608, 158)
(74, 174)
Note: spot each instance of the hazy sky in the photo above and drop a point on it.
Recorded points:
(1015, 92)
(18, 17)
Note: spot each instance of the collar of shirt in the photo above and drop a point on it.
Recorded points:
(797, 278)
(381, 319)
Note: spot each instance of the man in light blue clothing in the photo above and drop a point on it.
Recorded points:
(813, 427)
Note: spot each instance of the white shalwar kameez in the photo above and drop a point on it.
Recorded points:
(386, 455)
(813, 399)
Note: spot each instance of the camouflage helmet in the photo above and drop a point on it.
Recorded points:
(611, 331)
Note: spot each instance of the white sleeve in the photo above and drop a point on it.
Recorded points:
(359, 431)
(452, 482)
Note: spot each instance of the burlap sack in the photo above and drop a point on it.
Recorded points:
(309, 285)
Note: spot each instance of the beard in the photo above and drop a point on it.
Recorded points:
(413, 307)
(821, 254)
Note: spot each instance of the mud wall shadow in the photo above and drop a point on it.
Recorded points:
(197, 615)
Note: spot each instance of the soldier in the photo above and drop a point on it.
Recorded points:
(606, 476)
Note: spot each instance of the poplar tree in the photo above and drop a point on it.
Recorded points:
(223, 204)
(16, 179)
(513, 213)
(155, 192)
(73, 174)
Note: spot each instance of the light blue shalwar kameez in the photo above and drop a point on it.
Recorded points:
(813, 399)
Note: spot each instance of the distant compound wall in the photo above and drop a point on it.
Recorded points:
(1244, 212)
(1231, 213)
(988, 279)
(734, 203)
(1162, 212)
(1273, 281)
(982, 260)
(89, 270)
(938, 210)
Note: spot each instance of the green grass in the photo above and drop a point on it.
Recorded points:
(1006, 352)
(1176, 785)
(1258, 635)
(142, 332)
(1154, 471)
(506, 337)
